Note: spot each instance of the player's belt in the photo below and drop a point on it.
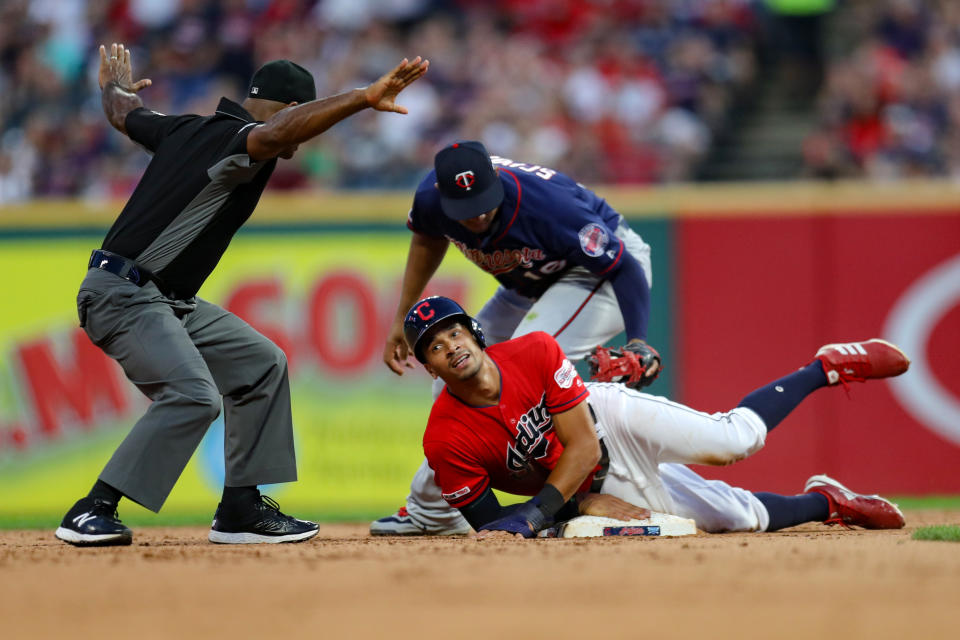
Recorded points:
(125, 268)
(601, 473)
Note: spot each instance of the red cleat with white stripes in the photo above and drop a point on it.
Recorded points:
(860, 361)
(854, 509)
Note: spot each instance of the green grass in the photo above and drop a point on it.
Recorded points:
(927, 502)
(946, 532)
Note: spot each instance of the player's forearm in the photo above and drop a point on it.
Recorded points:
(424, 258)
(300, 123)
(581, 449)
(633, 295)
(117, 103)
(576, 462)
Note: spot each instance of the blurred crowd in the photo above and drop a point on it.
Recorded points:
(615, 91)
(890, 108)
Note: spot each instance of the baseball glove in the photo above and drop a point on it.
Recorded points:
(627, 365)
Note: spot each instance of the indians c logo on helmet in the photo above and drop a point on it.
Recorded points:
(423, 314)
(464, 179)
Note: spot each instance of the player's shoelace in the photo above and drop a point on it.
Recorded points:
(838, 520)
(854, 371)
(269, 503)
(105, 510)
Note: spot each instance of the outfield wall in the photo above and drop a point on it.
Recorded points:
(748, 281)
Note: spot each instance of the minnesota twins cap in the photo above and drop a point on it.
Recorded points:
(282, 81)
(469, 185)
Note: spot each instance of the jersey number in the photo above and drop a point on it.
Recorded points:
(546, 269)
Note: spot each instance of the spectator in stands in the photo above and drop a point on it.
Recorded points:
(888, 110)
(627, 91)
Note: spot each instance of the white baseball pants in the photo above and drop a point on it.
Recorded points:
(650, 439)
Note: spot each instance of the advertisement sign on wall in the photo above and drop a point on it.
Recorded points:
(761, 295)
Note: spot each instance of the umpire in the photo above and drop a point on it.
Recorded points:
(138, 300)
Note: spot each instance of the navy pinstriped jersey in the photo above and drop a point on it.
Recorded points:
(547, 224)
(200, 187)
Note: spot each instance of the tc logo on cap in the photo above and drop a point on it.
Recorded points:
(469, 184)
(465, 179)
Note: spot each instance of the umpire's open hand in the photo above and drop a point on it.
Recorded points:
(396, 353)
(382, 93)
(116, 68)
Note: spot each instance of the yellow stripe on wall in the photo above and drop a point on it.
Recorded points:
(848, 197)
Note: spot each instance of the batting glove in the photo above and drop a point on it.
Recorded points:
(527, 519)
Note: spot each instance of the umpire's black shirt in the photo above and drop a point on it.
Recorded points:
(200, 187)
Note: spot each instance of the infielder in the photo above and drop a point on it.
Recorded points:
(516, 417)
(138, 300)
(567, 264)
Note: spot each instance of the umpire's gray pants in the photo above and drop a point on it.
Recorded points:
(185, 355)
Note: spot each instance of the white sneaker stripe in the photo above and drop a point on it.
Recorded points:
(83, 518)
(859, 348)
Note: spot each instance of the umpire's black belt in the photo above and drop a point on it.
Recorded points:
(125, 268)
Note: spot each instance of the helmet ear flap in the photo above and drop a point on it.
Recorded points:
(477, 332)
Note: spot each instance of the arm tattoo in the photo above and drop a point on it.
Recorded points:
(117, 103)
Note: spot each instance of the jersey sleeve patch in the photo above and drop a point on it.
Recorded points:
(466, 494)
(565, 375)
(593, 239)
(459, 493)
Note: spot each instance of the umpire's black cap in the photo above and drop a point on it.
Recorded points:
(469, 185)
(283, 81)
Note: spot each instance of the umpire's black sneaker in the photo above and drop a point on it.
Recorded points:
(93, 522)
(263, 522)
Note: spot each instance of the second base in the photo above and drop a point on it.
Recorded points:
(658, 524)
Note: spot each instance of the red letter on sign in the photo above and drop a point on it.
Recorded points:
(80, 386)
(350, 297)
(253, 302)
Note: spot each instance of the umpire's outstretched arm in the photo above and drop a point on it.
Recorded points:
(119, 91)
(285, 126)
(300, 123)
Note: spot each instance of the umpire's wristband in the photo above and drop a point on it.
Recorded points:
(549, 500)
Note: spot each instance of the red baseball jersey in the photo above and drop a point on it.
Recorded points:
(511, 445)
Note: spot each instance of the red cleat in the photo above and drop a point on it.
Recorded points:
(848, 508)
(859, 361)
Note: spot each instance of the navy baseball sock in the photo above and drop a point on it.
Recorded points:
(776, 400)
(789, 511)
(103, 491)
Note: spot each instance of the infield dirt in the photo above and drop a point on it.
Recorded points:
(807, 582)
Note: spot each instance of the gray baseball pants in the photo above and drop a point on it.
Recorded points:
(185, 355)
